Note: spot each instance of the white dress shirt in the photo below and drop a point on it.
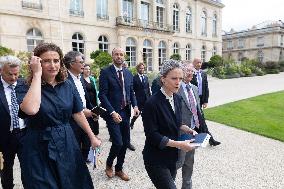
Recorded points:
(169, 98)
(8, 91)
(79, 86)
(120, 69)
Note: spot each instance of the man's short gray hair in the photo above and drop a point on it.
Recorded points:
(70, 58)
(169, 65)
(12, 61)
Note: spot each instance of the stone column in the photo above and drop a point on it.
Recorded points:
(168, 12)
(119, 8)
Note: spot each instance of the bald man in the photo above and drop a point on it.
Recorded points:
(116, 95)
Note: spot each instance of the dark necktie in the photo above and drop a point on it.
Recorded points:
(14, 108)
(193, 106)
(122, 85)
(142, 79)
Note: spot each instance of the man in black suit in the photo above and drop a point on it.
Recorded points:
(12, 128)
(200, 80)
(116, 95)
(74, 62)
(141, 89)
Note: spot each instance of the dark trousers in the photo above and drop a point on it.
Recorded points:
(9, 154)
(120, 136)
(162, 177)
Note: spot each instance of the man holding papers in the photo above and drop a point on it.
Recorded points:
(193, 117)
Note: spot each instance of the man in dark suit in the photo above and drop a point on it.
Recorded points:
(12, 128)
(74, 62)
(141, 89)
(116, 95)
(200, 80)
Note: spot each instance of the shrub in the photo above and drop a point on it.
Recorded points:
(231, 69)
(94, 54)
(215, 61)
(272, 67)
(175, 57)
(219, 72)
(245, 70)
(281, 64)
(6, 51)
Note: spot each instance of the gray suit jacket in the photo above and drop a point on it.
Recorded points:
(185, 106)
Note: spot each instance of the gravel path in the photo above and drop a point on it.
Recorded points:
(243, 160)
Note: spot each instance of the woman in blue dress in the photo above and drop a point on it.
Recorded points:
(51, 157)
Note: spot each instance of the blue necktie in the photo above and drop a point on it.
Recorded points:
(14, 108)
(143, 80)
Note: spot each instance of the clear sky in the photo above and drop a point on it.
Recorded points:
(243, 14)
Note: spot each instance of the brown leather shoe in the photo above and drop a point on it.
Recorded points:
(109, 171)
(122, 175)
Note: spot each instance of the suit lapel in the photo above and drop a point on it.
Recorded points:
(114, 74)
(3, 97)
(196, 95)
(184, 98)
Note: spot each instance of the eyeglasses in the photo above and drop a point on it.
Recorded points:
(50, 61)
(80, 62)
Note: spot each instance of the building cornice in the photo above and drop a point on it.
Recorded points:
(217, 3)
(249, 33)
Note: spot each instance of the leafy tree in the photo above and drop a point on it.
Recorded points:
(103, 59)
(6, 51)
(175, 57)
(94, 54)
(215, 61)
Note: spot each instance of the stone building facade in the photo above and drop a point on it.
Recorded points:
(263, 43)
(149, 30)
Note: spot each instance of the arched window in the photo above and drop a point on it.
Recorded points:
(175, 48)
(214, 51)
(188, 21)
(148, 54)
(162, 51)
(240, 56)
(78, 43)
(203, 53)
(131, 51)
(175, 17)
(103, 43)
(34, 37)
(214, 26)
(204, 23)
(260, 56)
(188, 52)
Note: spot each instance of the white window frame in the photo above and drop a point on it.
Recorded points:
(188, 52)
(176, 17)
(203, 23)
(33, 35)
(162, 53)
(78, 41)
(188, 20)
(130, 50)
(103, 43)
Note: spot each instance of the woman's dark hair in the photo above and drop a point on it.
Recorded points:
(43, 48)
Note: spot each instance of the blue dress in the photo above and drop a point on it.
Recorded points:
(50, 157)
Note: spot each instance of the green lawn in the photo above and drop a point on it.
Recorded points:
(263, 115)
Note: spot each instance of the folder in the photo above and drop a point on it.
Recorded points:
(200, 139)
(98, 110)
